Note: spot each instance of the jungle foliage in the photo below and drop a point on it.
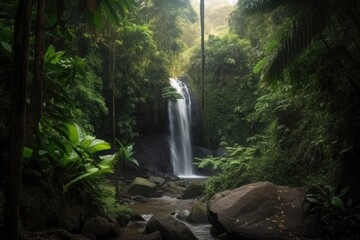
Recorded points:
(281, 97)
(70, 70)
(284, 87)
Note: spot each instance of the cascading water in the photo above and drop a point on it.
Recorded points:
(180, 135)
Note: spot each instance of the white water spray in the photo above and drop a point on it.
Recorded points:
(180, 135)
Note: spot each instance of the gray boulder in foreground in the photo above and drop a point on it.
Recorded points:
(261, 211)
(170, 228)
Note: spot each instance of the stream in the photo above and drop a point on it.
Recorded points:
(163, 206)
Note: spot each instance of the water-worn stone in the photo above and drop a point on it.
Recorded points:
(195, 189)
(151, 236)
(58, 234)
(142, 187)
(183, 215)
(171, 188)
(157, 180)
(170, 228)
(261, 211)
(72, 215)
(198, 213)
(99, 228)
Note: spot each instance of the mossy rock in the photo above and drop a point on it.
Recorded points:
(141, 186)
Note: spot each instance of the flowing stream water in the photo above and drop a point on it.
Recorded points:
(180, 134)
(163, 206)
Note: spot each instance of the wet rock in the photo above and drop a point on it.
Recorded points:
(58, 234)
(170, 228)
(157, 180)
(183, 215)
(140, 199)
(151, 236)
(261, 211)
(158, 193)
(100, 228)
(195, 189)
(72, 215)
(171, 188)
(136, 217)
(122, 220)
(198, 213)
(142, 187)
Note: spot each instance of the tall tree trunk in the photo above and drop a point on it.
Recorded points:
(33, 113)
(112, 80)
(17, 124)
(202, 26)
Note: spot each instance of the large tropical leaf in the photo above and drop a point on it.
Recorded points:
(91, 173)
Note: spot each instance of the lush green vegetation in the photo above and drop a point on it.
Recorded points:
(281, 90)
(71, 70)
(282, 99)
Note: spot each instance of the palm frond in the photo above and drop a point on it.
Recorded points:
(256, 6)
(299, 38)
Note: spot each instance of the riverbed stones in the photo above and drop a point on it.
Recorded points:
(198, 213)
(170, 228)
(141, 187)
(173, 189)
(183, 215)
(100, 228)
(151, 236)
(57, 234)
(157, 180)
(195, 189)
(262, 211)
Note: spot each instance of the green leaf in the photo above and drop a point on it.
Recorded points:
(313, 200)
(92, 172)
(6, 46)
(27, 152)
(337, 202)
(235, 162)
(51, 56)
(343, 191)
(98, 145)
(75, 133)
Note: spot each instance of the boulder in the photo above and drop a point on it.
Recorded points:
(72, 215)
(158, 193)
(198, 213)
(171, 188)
(58, 234)
(261, 211)
(169, 228)
(183, 215)
(141, 186)
(99, 228)
(157, 180)
(195, 189)
(151, 236)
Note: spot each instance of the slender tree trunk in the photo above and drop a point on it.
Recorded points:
(112, 77)
(202, 26)
(17, 123)
(34, 110)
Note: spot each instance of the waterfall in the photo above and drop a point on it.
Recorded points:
(180, 135)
